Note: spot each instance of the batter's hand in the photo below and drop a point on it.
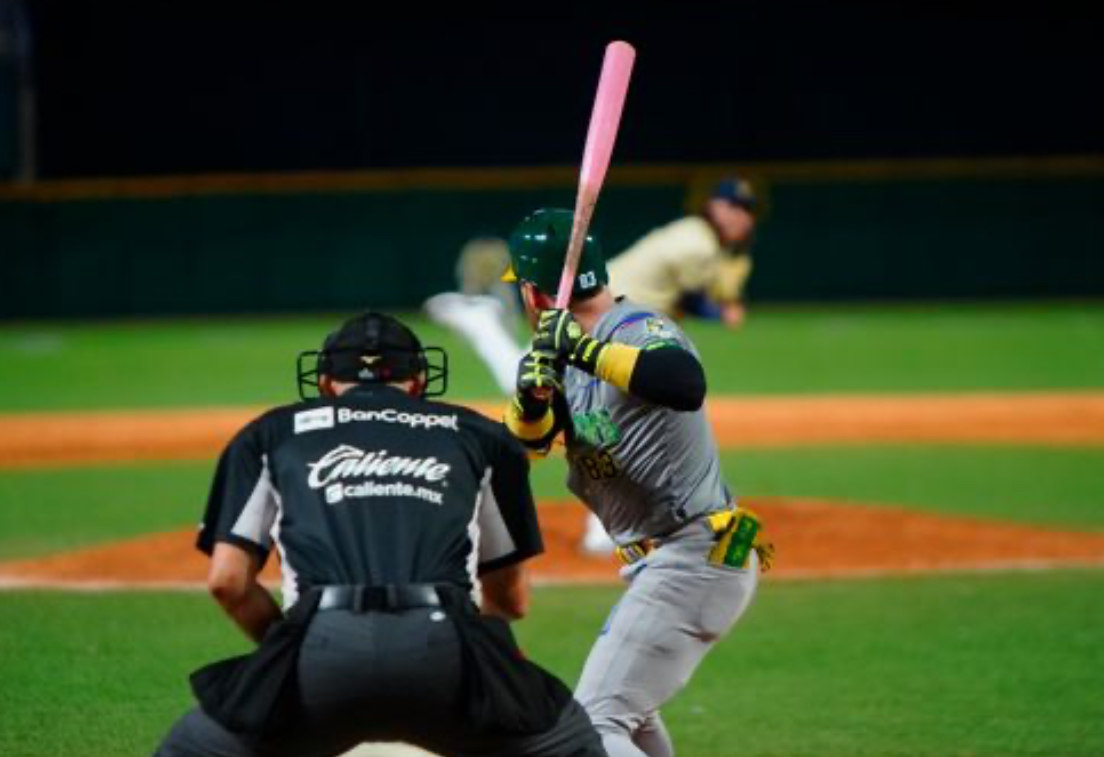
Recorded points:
(539, 371)
(559, 333)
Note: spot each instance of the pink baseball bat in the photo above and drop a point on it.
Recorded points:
(604, 120)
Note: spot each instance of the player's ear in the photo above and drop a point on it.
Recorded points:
(532, 298)
(526, 289)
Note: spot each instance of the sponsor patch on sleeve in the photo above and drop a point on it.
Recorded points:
(658, 328)
(313, 420)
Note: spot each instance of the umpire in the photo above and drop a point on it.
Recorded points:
(402, 526)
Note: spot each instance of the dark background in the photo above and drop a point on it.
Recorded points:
(896, 159)
(163, 92)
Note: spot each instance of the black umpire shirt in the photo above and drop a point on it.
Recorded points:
(374, 487)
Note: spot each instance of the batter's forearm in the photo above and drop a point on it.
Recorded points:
(533, 428)
(668, 376)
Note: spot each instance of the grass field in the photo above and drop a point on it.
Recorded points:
(251, 361)
(960, 664)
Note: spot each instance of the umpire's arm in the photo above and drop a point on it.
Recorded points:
(506, 592)
(508, 530)
(236, 532)
(232, 581)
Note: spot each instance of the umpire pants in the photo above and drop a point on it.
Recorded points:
(382, 676)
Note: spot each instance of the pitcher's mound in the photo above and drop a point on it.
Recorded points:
(813, 539)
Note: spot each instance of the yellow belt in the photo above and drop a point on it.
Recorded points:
(736, 531)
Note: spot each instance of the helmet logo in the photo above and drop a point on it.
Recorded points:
(368, 372)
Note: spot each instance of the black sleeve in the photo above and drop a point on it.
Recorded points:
(242, 505)
(509, 531)
(669, 376)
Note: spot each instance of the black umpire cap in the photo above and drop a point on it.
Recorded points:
(376, 348)
(372, 347)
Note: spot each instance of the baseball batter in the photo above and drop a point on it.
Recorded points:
(627, 392)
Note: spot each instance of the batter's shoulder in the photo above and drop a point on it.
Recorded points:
(644, 327)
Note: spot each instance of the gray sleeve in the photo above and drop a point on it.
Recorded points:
(495, 541)
(668, 371)
(243, 504)
(651, 331)
(507, 519)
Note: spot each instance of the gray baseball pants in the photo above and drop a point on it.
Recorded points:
(677, 606)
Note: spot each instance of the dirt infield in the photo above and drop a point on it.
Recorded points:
(1046, 418)
(814, 539)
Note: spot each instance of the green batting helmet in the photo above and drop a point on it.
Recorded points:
(538, 247)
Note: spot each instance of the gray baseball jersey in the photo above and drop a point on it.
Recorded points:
(643, 469)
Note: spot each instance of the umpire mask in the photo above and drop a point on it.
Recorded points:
(373, 348)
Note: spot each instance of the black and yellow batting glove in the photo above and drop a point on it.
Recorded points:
(559, 333)
(539, 374)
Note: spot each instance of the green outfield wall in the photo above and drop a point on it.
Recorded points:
(220, 244)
